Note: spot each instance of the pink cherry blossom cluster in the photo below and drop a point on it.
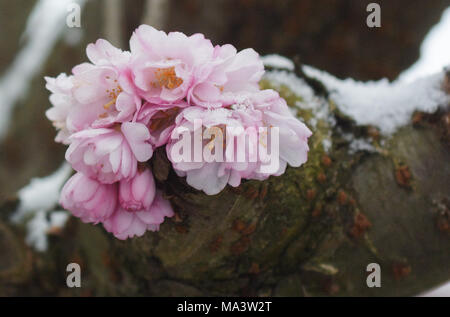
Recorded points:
(114, 111)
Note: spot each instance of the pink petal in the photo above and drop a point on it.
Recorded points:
(137, 136)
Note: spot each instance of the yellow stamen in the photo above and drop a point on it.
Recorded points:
(113, 94)
(109, 104)
(166, 77)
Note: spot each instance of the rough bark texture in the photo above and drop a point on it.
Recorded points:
(309, 232)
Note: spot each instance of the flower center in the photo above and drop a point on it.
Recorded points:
(166, 77)
(113, 94)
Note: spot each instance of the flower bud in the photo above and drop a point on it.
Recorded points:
(126, 225)
(137, 194)
(88, 199)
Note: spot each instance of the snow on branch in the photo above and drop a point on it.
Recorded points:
(37, 200)
(383, 104)
(44, 27)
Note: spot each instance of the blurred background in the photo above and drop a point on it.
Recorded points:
(328, 34)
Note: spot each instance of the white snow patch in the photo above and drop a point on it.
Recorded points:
(435, 51)
(300, 88)
(278, 61)
(37, 200)
(44, 26)
(36, 231)
(39, 226)
(385, 105)
(357, 145)
(309, 100)
(442, 291)
(297, 85)
(327, 144)
(41, 193)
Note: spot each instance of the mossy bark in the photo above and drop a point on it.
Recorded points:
(309, 232)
